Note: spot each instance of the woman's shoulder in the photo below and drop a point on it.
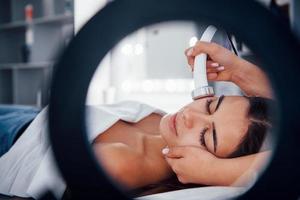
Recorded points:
(122, 162)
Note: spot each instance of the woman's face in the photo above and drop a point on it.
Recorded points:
(216, 124)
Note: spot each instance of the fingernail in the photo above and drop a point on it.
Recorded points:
(221, 68)
(215, 64)
(165, 151)
(190, 52)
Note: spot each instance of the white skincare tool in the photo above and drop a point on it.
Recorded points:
(200, 78)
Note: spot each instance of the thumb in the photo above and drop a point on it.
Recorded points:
(174, 152)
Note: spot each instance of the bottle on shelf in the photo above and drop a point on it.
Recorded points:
(28, 13)
(29, 35)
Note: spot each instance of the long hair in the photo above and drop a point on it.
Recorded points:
(262, 116)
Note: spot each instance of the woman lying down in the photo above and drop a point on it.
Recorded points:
(211, 141)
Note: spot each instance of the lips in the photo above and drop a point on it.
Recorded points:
(172, 123)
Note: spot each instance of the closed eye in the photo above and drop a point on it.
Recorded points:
(202, 138)
(208, 102)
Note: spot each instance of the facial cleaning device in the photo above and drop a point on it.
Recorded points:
(202, 89)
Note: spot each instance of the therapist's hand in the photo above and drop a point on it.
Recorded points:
(192, 164)
(221, 64)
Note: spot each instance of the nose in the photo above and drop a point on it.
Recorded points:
(192, 117)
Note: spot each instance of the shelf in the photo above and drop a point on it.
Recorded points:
(57, 19)
(26, 65)
(28, 83)
(14, 25)
(61, 19)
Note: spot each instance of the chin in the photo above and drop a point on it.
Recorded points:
(163, 125)
(165, 131)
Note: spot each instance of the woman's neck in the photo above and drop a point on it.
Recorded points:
(153, 145)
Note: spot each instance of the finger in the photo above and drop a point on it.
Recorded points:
(212, 76)
(204, 47)
(211, 70)
(188, 52)
(172, 162)
(212, 64)
(175, 152)
(191, 61)
(215, 70)
(209, 63)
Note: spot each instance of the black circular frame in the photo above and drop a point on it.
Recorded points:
(252, 23)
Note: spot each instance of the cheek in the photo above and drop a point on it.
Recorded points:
(184, 138)
(189, 139)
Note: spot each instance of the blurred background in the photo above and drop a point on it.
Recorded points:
(148, 65)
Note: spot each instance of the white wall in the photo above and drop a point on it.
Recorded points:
(162, 62)
(85, 9)
(166, 43)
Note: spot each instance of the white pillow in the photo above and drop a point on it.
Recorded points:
(205, 193)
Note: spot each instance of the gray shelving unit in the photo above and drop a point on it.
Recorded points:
(26, 81)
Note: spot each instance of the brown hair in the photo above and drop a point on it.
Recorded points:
(261, 115)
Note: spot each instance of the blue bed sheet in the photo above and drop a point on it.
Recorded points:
(13, 120)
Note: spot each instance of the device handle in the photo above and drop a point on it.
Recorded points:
(200, 77)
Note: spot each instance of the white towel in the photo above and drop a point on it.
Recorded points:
(28, 169)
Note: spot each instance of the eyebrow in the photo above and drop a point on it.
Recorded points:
(214, 138)
(221, 98)
(214, 135)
